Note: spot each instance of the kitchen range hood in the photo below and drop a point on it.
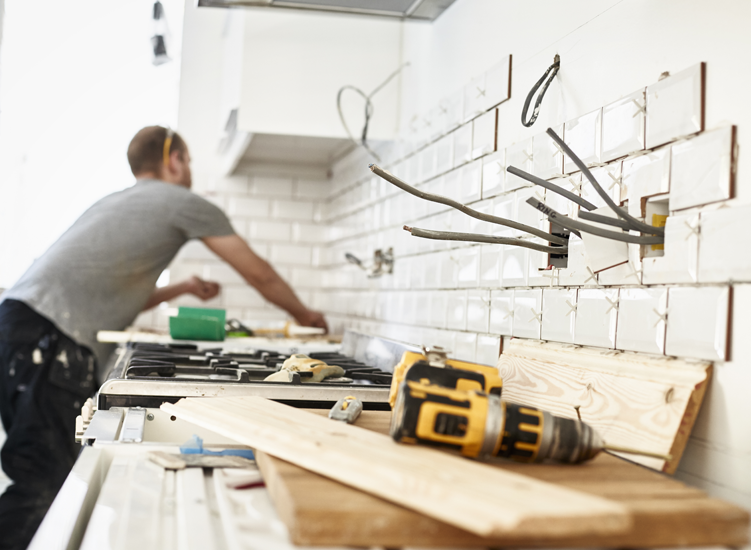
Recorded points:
(425, 10)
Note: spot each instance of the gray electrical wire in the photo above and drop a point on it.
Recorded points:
(568, 223)
(551, 186)
(599, 218)
(368, 109)
(389, 177)
(635, 223)
(477, 238)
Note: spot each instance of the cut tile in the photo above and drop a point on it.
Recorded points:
(538, 273)
(493, 174)
(498, 83)
(645, 176)
(629, 273)
(558, 322)
(596, 317)
(623, 126)
(527, 313)
(484, 134)
(698, 319)
(679, 262)
(675, 106)
(721, 256)
(462, 144)
(577, 272)
(603, 253)
(547, 159)
(478, 310)
(703, 169)
(488, 350)
(519, 155)
(501, 312)
(641, 319)
(582, 135)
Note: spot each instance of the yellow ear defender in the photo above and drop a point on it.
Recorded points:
(167, 145)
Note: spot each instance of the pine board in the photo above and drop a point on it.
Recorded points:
(470, 495)
(322, 512)
(633, 400)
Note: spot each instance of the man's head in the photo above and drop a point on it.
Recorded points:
(155, 152)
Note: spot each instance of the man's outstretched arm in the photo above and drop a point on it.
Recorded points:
(258, 273)
(204, 290)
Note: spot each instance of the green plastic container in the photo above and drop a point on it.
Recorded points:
(195, 323)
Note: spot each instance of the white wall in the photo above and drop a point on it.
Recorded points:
(77, 83)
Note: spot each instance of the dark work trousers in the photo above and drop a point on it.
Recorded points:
(45, 377)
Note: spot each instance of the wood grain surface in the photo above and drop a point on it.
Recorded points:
(470, 495)
(633, 400)
(321, 512)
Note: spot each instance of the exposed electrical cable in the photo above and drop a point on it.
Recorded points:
(599, 218)
(368, 109)
(389, 177)
(551, 186)
(635, 223)
(569, 223)
(477, 238)
(554, 68)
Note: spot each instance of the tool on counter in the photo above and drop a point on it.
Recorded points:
(170, 461)
(195, 323)
(480, 425)
(236, 328)
(306, 368)
(434, 367)
(347, 409)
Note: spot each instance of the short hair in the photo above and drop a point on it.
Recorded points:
(146, 149)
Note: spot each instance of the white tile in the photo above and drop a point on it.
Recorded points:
(290, 254)
(629, 273)
(235, 185)
(698, 322)
(527, 313)
(452, 109)
(484, 134)
(514, 267)
(501, 312)
(722, 256)
(674, 106)
(488, 350)
(223, 274)
(702, 169)
(427, 162)
(493, 174)
(526, 213)
(293, 210)
(447, 269)
(490, 265)
(497, 83)
(467, 266)
(456, 310)
(679, 264)
(475, 94)
(603, 253)
(313, 189)
(438, 304)
(577, 271)
(559, 314)
(240, 206)
(641, 319)
(646, 176)
(596, 317)
(478, 310)
(609, 178)
(623, 126)
(520, 155)
(272, 187)
(462, 137)
(538, 272)
(269, 230)
(547, 158)
(560, 203)
(470, 182)
(582, 135)
(444, 150)
(465, 344)
(242, 297)
(504, 206)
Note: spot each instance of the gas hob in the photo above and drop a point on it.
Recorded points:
(148, 374)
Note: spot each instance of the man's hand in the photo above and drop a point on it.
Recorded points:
(205, 290)
(312, 319)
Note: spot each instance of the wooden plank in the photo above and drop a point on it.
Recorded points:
(633, 400)
(467, 494)
(666, 512)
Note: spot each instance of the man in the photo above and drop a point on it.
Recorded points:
(99, 275)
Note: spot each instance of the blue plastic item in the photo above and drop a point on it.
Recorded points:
(194, 446)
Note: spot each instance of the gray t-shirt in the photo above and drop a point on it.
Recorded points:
(100, 273)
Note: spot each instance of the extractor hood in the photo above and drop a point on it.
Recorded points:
(426, 10)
